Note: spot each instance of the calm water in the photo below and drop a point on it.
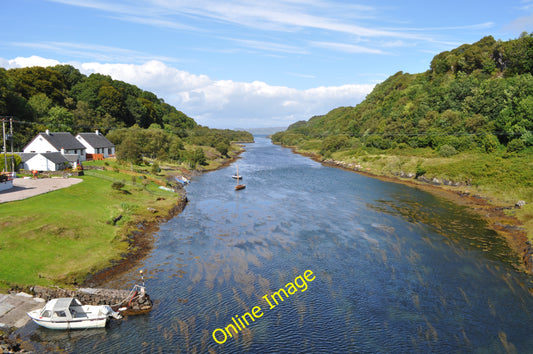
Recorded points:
(395, 270)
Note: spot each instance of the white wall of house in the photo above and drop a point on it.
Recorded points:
(106, 151)
(41, 163)
(39, 144)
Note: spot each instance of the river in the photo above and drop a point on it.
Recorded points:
(366, 266)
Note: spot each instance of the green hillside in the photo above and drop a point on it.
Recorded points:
(60, 98)
(468, 120)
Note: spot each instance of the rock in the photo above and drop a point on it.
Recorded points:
(152, 210)
(519, 204)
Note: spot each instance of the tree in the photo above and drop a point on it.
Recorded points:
(41, 104)
(222, 148)
(129, 151)
(117, 186)
(61, 118)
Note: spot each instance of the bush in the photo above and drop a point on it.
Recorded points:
(155, 168)
(447, 150)
(378, 142)
(334, 143)
(117, 186)
(516, 145)
(489, 143)
(420, 171)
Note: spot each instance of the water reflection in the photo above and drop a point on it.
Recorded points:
(392, 275)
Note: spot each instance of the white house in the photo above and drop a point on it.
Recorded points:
(65, 143)
(46, 161)
(56, 152)
(97, 145)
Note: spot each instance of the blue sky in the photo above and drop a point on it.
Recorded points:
(248, 63)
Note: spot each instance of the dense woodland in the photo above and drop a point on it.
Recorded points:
(475, 97)
(60, 98)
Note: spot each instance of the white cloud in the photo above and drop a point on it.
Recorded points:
(20, 62)
(222, 103)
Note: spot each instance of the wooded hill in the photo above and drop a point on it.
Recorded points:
(60, 98)
(477, 96)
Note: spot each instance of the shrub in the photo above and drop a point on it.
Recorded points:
(420, 171)
(155, 168)
(117, 186)
(489, 143)
(516, 145)
(447, 150)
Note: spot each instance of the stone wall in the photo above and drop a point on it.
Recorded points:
(134, 300)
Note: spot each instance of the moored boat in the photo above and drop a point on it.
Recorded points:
(69, 313)
(238, 178)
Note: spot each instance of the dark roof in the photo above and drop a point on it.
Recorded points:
(71, 157)
(55, 157)
(25, 156)
(96, 140)
(62, 140)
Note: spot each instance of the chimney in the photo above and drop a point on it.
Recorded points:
(62, 151)
(97, 132)
(47, 132)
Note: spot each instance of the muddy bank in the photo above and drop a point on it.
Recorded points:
(507, 226)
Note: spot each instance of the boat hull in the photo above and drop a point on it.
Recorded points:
(99, 322)
(69, 313)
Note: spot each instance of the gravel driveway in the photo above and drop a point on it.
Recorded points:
(25, 187)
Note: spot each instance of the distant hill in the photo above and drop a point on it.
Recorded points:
(264, 131)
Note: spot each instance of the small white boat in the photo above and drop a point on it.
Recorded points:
(69, 313)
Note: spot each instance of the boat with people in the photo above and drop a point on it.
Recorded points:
(68, 313)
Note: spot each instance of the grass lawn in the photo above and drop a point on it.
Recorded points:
(59, 237)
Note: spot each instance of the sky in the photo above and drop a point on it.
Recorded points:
(248, 63)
